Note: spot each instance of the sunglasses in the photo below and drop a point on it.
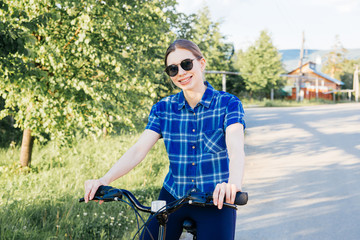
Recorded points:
(186, 64)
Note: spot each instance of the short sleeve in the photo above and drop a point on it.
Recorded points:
(154, 120)
(234, 113)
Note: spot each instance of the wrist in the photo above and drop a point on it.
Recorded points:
(104, 181)
(237, 187)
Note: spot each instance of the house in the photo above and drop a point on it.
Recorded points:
(312, 84)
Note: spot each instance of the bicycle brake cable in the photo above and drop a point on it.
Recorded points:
(145, 225)
(137, 214)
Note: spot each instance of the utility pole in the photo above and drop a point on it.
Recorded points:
(356, 83)
(224, 82)
(299, 80)
(317, 88)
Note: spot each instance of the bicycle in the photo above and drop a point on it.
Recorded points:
(160, 209)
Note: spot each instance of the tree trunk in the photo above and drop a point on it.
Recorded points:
(105, 132)
(26, 148)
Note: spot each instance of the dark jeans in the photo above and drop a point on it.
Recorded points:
(211, 223)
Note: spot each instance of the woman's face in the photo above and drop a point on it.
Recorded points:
(191, 79)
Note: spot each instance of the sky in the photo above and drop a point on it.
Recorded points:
(285, 20)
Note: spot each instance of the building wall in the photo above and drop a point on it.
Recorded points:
(311, 94)
(309, 87)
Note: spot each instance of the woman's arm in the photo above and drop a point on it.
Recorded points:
(127, 162)
(235, 147)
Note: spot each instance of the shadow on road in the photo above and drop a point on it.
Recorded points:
(302, 173)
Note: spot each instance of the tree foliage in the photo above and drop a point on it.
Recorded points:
(69, 66)
(338, 66)
(348, 69)
(333, 64)
(203, 31)
(260, 66)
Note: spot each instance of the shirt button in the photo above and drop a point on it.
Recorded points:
(193, 147)
(193, 130)
(193, 164)
(192, 180)
(194, 114)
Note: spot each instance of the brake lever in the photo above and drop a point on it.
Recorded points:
(229, 205)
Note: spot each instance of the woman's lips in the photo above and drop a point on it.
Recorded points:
(185, 81)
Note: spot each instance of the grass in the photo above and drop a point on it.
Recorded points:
(248, 103)
(41, 202)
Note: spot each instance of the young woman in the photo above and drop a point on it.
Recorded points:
(203, 131)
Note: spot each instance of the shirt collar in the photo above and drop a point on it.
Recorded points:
(205, 100)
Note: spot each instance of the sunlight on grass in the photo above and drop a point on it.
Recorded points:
(41, 202)
(248, 103)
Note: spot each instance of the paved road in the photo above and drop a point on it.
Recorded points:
(302, 173)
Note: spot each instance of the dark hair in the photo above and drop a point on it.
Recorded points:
(184, 44)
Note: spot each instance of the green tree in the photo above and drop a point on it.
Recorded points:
(338, 66)
(8, 44)
(8, 134)
(347, 75)
(333, 64)
(261, 66)
(206, 34)
(72, 67)
(213, 45)
(237, 84)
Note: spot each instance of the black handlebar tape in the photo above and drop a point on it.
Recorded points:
(241, 198)
(100, 192)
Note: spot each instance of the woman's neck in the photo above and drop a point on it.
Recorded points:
(193, 96)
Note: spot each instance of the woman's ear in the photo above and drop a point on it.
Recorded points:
(203, 64)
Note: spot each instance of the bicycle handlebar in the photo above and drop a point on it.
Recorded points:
(194, 197)
(200, 198)
(108, 194)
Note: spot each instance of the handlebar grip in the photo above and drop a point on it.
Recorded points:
(103, 190)
(105, 193)
(241, 198)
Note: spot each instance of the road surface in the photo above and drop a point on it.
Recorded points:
(302, 173)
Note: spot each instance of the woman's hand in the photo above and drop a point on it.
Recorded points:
(224, 190)
(91, 186)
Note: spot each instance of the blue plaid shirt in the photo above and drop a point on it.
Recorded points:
(195, 138)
